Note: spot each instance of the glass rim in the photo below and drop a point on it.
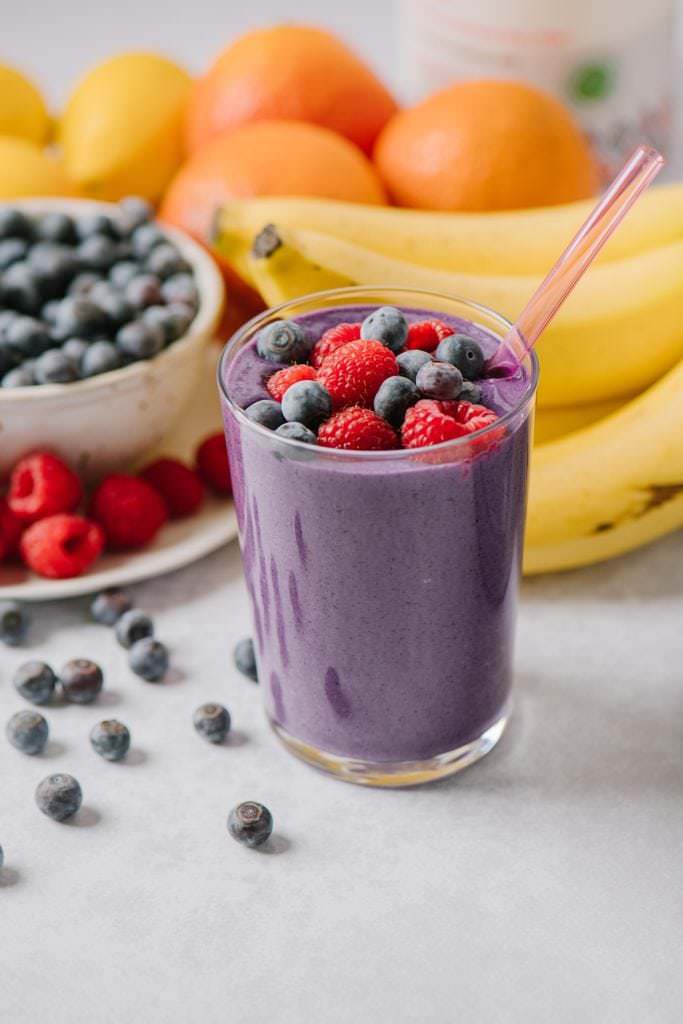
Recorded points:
(396, 454)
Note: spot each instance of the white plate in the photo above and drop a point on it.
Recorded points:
(179, 543)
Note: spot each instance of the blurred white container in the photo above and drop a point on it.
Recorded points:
(610, 61)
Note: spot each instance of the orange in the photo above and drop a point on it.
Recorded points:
(294, 72)
(485, 145)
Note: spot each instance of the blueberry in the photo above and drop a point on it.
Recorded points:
(27, 337)
(388, 325)
(133, 625)
(244, 657)
(464, 353)
(2, 857)
(148, 658)
(394, 398)
(100, 357)
(8, 359)
(97, 252)
(53, 267)
(139, 340)
(49, 312)
(74, 350)
(115, 307)
(55, 226)
(7, 316)
(78, 317)
(28, 731)
(110, 739)
(35, 681)
(144, 238)
(21, 377)
(59, 796)
(84, 282)
(165, 260)
(14, 623)
(143, 291)
(442, 381)
(19, 288)
(11, 251)
(134, 211)
(250, 823)
(410, 362)
(283, 341)
(81, 681)
(15, 224)
(123, 272)
(267, 413)
(296, 432)
(470, 392)
(212, 721)
(173, 320)
(108, 607)
(307, 402)
(180, 288)
(90, 224)
(55, 367)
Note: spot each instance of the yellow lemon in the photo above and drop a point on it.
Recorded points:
(22, 109)
(27, 170)
(121, 130)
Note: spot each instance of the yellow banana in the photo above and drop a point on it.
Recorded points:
(619, 331)
(551, 424)
(515, 242)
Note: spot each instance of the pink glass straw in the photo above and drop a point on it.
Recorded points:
(636, 174)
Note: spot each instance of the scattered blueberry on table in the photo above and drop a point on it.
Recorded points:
(14, 623)
(28, 731)
(81, 681)
(110, 739)
(59, 796)
(212, 721)
(132, 626)
(108, 606)
(250, 823)
(244, 657)
(35, 681)
(148, 658)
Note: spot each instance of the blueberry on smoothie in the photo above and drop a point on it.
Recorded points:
(464, 353)
(100, 357)
(35, 681)
(133, 625)
(388, 325)
(410, 362)
(266, 412)
(148, 658)
(244, 657)
(250, 823)
(394, 398)
(81, 681)
(441, 381)
(55, 367)
(212, 721)
(108, 607)
(59, 796)
(283, 341)
(28, 731)
(306, 402)
(14, 623)
(110, 739)
(470, 392)
(296, 432)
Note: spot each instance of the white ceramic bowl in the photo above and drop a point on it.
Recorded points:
(107, 422)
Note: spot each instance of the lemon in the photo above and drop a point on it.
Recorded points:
(27, 170)
(121, 130)
(22, 109)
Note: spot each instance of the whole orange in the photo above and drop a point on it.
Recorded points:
(485, 145)
(294, 72)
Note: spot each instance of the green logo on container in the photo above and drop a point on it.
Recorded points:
(591, 82)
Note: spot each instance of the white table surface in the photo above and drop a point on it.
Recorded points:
(544, 884)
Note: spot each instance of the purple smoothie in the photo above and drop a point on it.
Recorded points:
(383, 586)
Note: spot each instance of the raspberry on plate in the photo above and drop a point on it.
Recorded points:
(426, 423)
(357, 429)
(426, 334)
(283, 379)
(333, 339)
(129, 510)
(213, 465)
(42, 485)
(354, 373)
(62, 546)
(10, 531)
(179, 486)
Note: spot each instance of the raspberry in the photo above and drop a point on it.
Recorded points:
(426, 334)
(331, 340)
(283, 379)
(178, 485)
(353, 374)
(62, 546)
(357, 429)
(426, 423)
(213, 465)
(474, 417)
(10, 531)
(129, 510)
(42, 485)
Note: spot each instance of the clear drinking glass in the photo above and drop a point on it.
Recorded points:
(383, 584)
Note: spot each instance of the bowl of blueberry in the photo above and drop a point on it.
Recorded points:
(104, 318)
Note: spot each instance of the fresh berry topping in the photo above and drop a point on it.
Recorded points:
(307, 402)
(283, 379)
(394, 398)
(474, 417)
(179, 486)
(426, 424)
(10, 531)
(353, 374)
(81, 681)
(42, 485)
(463, 352)
(410, 362)
(59, 796)
(35, 681)
(244, 657)
(110, 739)
(296, 432)
(357, 429)
(133, 625)
(129, 510)
(331, 340)
(212, 464)
(28, 731)
(108, 607)
(470, 392)
(388, 325)
(283, 341)
(425, 335)
(212, 721)
(439, 380)
(250, 823)
(62, 546)
(266, 413)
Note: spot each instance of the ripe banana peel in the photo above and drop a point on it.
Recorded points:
(551, 424)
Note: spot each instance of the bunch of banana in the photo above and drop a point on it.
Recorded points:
(607, 468)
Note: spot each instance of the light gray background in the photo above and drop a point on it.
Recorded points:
(542, 885)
